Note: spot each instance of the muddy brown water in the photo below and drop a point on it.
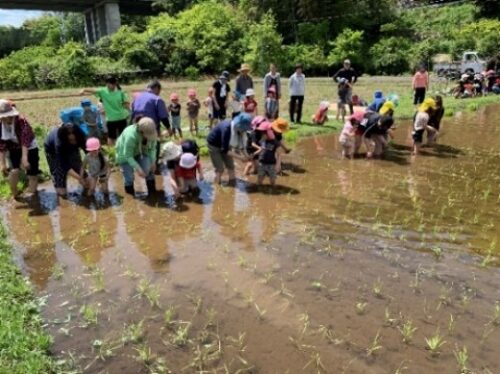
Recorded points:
(318, 276)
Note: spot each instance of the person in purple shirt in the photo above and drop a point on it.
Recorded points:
(150, 104)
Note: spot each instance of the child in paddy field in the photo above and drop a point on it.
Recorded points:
(185, 173)
(174, 109)
(321, 115)
(266, 150)
(346, 138)
(97, 167)
(421, 123)
(211, 104)
(279, 127)
(259, 125)
(193, 109)
(250, 105)
(435, 120)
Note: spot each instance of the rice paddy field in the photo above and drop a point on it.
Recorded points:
(348, 266)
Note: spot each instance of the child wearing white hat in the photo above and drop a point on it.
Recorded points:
(185, 172)
(250, 105)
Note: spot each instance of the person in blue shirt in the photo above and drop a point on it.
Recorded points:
(86, 116)
(378, 101)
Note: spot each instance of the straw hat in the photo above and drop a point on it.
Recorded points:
(148, 128)
(170, 151)
(280, 125)
(7, 110)
(244, 67)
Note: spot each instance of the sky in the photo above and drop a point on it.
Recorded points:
(16, 17)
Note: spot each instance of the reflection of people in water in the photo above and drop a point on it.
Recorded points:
(35, 234)
(233, 218)
(88, 231)
(153, 242)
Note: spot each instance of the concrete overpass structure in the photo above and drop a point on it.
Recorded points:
(102, 17)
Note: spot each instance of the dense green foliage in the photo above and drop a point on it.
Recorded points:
(207, 36)
(23, 344)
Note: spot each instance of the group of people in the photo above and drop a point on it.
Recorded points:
(477, 84)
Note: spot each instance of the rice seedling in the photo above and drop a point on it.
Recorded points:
(197, 303)
(144, 354)
(149, 291)
(90, 314)
(451, 324)
(327, 333)
(239, 342)
(169, 316)
(315, 361)
(462, 357)
(495, 319)
(437, 252)
(133, 333)
(260, 312)
(181, 336)
(401, 368)
(98, 278)
(58, 271)
(377, 288)
(361, 307)
(388, 319)
(434, 343)
(305, 322)
(407, 330)
(374, 346)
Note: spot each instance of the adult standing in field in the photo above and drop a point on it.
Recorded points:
(351, 76)
(420, 85)
(115, 103)
(244, 81)
(150, 104)
(62, 150)
(86, 116)
(18, 148)
(297, 89)
(273, 79)
(136, 154)
(227, 141)
(221, 94)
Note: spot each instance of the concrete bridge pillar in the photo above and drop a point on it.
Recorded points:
(101, 20)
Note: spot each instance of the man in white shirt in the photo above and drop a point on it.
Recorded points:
(297, 88)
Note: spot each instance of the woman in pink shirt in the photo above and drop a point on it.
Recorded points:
(420, 85)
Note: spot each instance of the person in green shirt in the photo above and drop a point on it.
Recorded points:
(116, 106)
(136, 154)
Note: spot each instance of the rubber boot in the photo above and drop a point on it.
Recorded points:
(130, 190)
(32, 184)
(151, 186)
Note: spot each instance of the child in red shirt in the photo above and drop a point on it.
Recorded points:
(185, 173)
(250, 105)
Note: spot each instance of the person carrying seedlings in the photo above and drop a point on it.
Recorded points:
(96, 166)
(226, 141)
(271, 104)
(420, 85)
(62, 149)
(421, 123)
(18, 148)
(349, 74)
(174, 109)
(343, 90)
(435, 120)
(186, 171)
(249, 104)
(222, 90)
(136, 154)
(211, 105)
(116, 104)
(346, 138)
(193, 109)
(279, 127)
(376, 104)
(297, 89)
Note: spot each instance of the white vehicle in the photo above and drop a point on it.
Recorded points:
(471, 63)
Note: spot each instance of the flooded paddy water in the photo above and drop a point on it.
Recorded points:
(360, 266)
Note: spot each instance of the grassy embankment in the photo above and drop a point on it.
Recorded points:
(23, 343)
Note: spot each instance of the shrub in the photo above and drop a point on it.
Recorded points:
(192, 73)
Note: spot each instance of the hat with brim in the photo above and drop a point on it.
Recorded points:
(170, 151)
(147, 127)
(280, 125)
(257, 121)
(244, 67)
(243, 122)
(7, 109)
(188, 161)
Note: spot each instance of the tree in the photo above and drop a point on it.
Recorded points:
(348, 44)
(264, 45)
(390, 55)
